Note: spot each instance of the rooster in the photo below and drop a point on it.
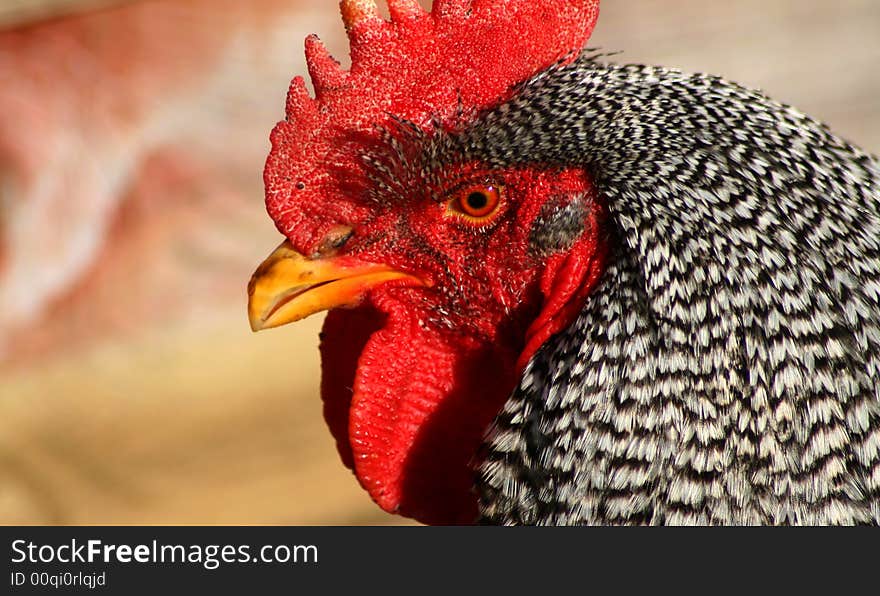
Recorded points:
(563, 291)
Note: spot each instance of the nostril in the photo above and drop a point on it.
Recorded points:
(342, 239)
(335, 240)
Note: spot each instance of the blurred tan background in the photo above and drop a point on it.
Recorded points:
(132, 140)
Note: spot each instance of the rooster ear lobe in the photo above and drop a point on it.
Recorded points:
(569, 280)
(578, 252)
(559, 224)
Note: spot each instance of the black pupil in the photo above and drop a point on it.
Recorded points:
(477, 201)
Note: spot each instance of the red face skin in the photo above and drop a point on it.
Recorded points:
(414, 376)
(430, 367)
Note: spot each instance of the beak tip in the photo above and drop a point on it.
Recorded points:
(288, 287)
(256, 324)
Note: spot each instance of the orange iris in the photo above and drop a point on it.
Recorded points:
(476, 203)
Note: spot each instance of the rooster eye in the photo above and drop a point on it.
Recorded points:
(476, 203)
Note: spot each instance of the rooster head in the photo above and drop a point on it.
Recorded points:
(445, 256)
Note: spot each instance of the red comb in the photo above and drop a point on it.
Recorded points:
(420, 65)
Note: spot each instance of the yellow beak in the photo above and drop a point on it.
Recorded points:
(287, 286)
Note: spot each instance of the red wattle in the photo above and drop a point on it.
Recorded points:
(566, 283)
(343, 337)
(419, 407)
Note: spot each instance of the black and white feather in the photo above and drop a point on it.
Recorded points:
(726, 370)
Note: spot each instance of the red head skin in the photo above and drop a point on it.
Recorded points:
(413, 377)
(431, 367)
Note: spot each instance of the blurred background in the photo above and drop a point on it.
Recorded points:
(132, 141)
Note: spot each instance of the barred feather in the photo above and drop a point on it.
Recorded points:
(727, 368)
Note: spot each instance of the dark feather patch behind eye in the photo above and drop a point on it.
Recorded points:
(558, 225)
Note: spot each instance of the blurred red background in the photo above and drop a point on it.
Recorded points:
(132, 139)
